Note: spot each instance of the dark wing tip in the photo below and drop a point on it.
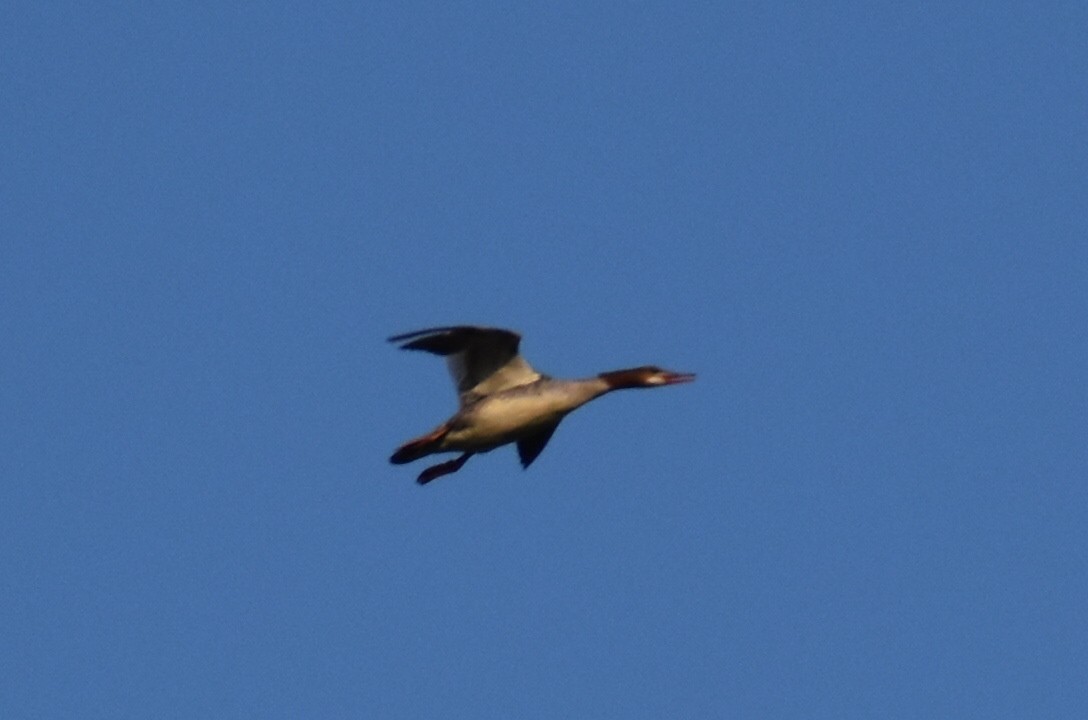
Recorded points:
(419, 333)
(448, 340)
(530, 446)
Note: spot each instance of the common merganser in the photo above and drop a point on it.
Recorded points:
(503, 399)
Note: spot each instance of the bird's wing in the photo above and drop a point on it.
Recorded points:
(530, 446)
(481, 360)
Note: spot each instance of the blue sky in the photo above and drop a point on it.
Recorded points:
(862, 226)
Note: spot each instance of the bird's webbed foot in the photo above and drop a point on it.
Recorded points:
(446, 468)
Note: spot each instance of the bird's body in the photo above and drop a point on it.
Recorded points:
(503, 417)
(503, 400)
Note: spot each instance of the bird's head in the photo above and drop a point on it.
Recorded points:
(644, 377)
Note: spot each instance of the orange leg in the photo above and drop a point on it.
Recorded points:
(437, 471)
(419, 447)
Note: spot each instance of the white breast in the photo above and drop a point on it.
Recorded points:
(498, 420)
(501, 415)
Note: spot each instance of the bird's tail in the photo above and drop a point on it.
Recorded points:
(420, 446)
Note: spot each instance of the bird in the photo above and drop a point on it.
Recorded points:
(503, 399)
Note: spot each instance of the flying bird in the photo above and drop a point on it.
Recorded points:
(503, 399)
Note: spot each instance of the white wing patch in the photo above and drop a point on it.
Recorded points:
(481, 361)
(514, 373)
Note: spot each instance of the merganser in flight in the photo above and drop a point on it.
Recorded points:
(503, 399)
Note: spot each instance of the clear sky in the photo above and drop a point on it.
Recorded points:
(863, 225)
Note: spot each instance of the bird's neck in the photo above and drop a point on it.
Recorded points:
(623, 379)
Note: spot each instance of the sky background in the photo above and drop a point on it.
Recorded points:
(863, 226)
